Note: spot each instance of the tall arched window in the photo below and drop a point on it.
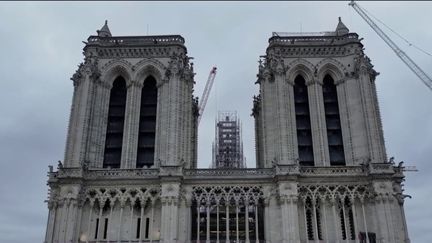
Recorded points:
(304, 133)
(147, 124)
(334, 132)
(116, 116)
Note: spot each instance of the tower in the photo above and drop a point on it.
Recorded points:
(228, 145)
(317, 122)
(133, 115)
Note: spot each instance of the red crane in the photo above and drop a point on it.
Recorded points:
(206, 93)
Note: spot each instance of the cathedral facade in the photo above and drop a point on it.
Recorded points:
(130, 168)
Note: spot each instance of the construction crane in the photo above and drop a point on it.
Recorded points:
(404, 57)
(206, 93)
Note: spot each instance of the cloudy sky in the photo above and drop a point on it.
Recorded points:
(41, 48)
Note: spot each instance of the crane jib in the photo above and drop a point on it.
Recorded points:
(402, 55)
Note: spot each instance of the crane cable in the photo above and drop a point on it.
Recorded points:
(400, 36)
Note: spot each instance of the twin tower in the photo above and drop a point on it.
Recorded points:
(130, 169)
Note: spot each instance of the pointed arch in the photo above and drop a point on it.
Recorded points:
(300, 67)
(303, 124)
(149, 67)
(114, 69)
(332, 67)
(147, 123)
(115, 124)
(333, 123)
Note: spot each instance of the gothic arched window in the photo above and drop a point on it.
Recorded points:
(147, 124)
(334, 131)
(304, 132)
(116, 117)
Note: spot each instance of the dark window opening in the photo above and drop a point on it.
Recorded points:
(147, 124)
(334, 131)
(147, 228)
(138, 229)
(304, 131)
(97, 228)
(114, 132)
(105, 228)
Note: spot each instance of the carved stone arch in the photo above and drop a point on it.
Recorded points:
(300, 67)
(115, 70)
(332, 67)
(147, 67)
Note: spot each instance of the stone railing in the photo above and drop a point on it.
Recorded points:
(279, 170)
(228, 172)
(122, 173)
(310, 40)
(333, 171)
(103, 173)
(136, 40)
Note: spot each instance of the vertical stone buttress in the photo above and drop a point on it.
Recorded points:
(83, 100)
(317, 118)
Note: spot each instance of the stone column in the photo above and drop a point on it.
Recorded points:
(77, 225)
(256, 223)
(169, 219)
(131, 125)
(381, 219)
(346, 118)
(52, 207)
(305, 220)
(208, 222)
(217, 221)
(364, 220)
(101, 122)
(79, 123)
(372, 117)
(318, 123)
(237, 222)
(89, 220)
(119, 236)
(112, 204)
(227, 221)
(353, 121)
(336, 224)
(354, 212)
(315, 219)
(198, 222)
(324, 217)
(152, 220)
(99, 223)
(285, 219)
(269, 112)
(282, 117)
(247, 220)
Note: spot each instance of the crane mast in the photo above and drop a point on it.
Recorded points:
(401, 54)
(206, 93)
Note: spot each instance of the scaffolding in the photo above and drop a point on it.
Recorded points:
(228, 144)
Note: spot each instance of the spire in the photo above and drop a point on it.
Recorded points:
(104, 31)
(341, 29)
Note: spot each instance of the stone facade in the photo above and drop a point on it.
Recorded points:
(282, 200)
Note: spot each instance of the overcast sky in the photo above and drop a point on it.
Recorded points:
(41, 48)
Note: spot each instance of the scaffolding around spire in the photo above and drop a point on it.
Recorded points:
(228, 145)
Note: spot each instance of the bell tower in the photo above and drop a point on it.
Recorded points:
(318, 102)
(132, 105)
(318, 125)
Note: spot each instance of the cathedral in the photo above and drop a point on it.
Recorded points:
(130, 168)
